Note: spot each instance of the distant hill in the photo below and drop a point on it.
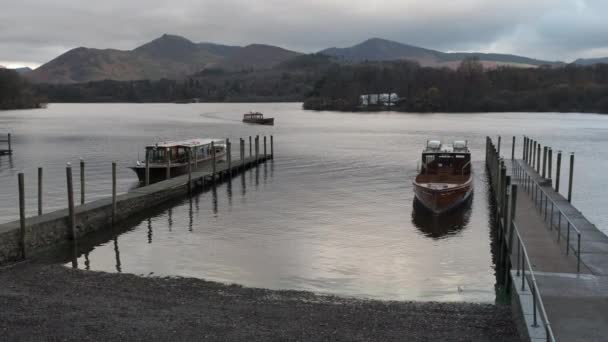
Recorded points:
(23, 70)
(377, 49)
(171, 57)
(591, 61)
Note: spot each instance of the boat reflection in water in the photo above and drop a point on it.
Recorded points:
(441, 226)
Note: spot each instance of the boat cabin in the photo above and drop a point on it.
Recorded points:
(253, 116)
(176, 152)
(446, 159)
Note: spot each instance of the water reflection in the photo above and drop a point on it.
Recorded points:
(441, 226)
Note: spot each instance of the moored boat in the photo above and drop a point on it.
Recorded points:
(170, 159)
(445, 179)
(257, 118)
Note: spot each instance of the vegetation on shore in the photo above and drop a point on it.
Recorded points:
(469, 88)
(16, 92)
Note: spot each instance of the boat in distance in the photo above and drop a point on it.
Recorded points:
(170, 159)
(445, 179)
(257, 118)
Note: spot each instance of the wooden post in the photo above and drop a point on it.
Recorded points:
(558, 170)
(264, 147)
(190, 169)
(250, 154)
(168, 163)
(512, 213)
(229, 155)
(147, 177)
(71, 215)
(571, 177)
(113, 191)
(257, 148)
(513, 149)
(538, 158)
(213, 161)
(271, 148)
(81, 181)
(544, 161)
(550, 163)
(10, 146)
(525, 148)
(39, 191)
(242, 149)
(498, 146)
(22, 214)
(195, 156)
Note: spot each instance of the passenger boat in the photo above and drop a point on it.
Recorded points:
(170, 159)
(257, 118)
(445, 179)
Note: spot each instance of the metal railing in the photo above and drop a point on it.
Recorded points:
(549, 210)
(537, 301)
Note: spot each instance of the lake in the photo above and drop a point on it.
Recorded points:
(333, 213)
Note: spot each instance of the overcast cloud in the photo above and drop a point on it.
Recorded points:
(33, 32)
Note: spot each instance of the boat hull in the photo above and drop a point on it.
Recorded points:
(267, 121)
(159, 172)
(442, 200)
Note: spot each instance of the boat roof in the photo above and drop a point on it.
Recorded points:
(189, 143)
(458, 146)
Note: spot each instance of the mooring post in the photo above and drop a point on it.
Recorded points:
(530, 149)
(168, 150)
(525, 149)
(264, 147)
(550, 167)
(72, 216)
(271, 147)
(257, 148)
(22, 213)
(81, 181)
(229, 155)
(533, 154)
(571, 177)
(113, 191)
(513, 149)
(250, 154)
(10, 146)
(242, 150)
(558, 170)
(39, 191)
(544, 161)
(538, 158)
(513, 205)
(505, 196)
(190, 169)
(147, 176)
(213, 161)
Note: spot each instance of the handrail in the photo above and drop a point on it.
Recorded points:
(537, 301)
(532, 187)
(462, 168)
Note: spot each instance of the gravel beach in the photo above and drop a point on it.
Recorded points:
(52, 302)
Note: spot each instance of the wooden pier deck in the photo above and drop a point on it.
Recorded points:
(573, 291)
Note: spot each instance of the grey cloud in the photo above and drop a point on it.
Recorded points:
(35, 31)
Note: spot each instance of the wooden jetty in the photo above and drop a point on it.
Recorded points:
(31, 235)
(554, 261)
(9, 149)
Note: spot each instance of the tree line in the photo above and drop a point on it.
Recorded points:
(469, 88)
(16, 92)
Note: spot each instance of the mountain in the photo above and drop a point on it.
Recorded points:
(169, 56)
(377, 49)
(23, 70)
(591, 61)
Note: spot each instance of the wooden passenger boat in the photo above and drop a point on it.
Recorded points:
(257, 118)
(445, 179)
(170, 159)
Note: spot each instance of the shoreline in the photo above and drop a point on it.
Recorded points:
(59, 303)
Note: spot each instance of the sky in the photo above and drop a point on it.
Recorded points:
(32, 32)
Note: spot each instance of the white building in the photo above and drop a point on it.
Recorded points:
(376, 99)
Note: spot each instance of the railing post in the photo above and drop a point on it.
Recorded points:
(544, 161)
(578, 255)
(534, 304)
(71, 215)
(523, 270)
(39, 191)
(82, 182)
(518, 255)
(558, 170)
(571, 177)
(22, 214)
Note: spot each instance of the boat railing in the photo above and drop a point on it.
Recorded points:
(523, 262)
(550, 211)
(463, 167)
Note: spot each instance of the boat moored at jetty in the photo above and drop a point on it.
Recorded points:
(445, 179)
(170, 159)
(257, 118)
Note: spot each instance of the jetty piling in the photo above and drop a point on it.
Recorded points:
(513, 149)
(39, 191)
(571, 178)
(22, 214)
(147, 174)
(190, 169)
(264, 145)
(213, 162)
(113, 192)
(82, 181)
(71, 214)
(544, 162)
(498, 145)
(538, 158)
(550, 167)
(271, 147)
(250, 154)
(168, 153)
(229, 155)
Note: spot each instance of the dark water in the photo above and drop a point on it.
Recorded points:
(333, 213)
